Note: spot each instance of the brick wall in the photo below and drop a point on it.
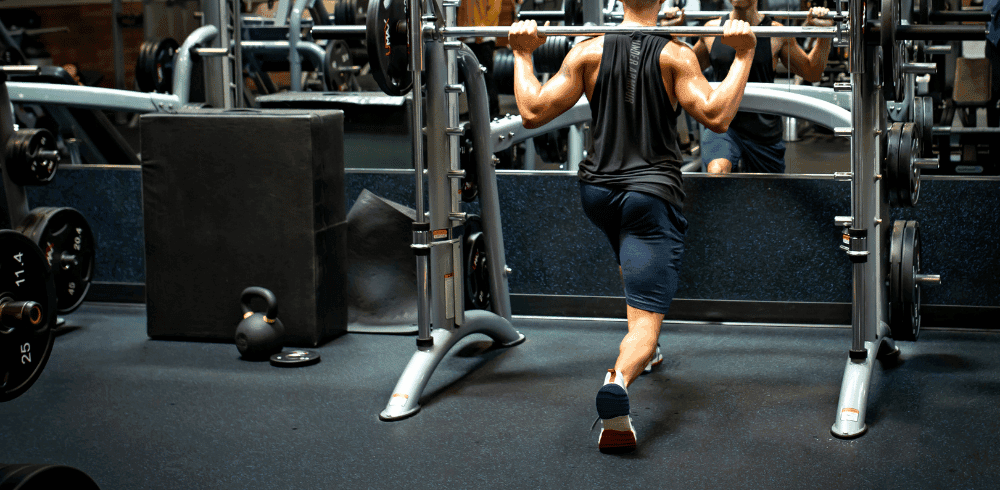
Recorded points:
(88, 43)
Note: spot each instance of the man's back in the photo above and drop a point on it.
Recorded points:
(634, 121)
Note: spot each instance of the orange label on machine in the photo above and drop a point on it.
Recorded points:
(440, 234)
(850, 414)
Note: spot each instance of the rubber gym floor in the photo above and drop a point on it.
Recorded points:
(732, 406)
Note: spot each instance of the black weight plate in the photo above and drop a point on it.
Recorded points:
(476, 268)
(905, 166)
(467, 159)
(163, 64)
(908, 285)
(43, 476)
(911, 154)
(26, 164)
(295, 358)
(503, 70)
(344, 12)
(891, 50)
(68, 244)
(897, 312)
(145, 78)
(337, 63)
(890, 165)
(24, 348)
(388, 46)
(927, 124)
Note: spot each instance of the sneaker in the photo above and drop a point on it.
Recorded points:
(617, 434)
(657, 359)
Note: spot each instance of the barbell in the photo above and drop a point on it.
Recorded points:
(387, 37)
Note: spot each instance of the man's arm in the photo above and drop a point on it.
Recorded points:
(808, 66)
(713, 108)
(703, 46)
(537, 103)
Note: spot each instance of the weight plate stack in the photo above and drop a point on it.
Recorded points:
(68, 246)
(503, 70)
(154, 70)
(32, 157)
(25, 332)
(477, 276)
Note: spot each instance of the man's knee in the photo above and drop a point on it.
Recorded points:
(720, 166)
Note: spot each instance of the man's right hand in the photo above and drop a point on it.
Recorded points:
(737, 35)
(524, 36)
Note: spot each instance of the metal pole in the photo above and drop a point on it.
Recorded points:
(858, 169)
(294, 35)
(338, 32)
(119, 51)
(421, 228)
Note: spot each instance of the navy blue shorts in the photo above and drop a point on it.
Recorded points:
(745, 154)
(647, 236)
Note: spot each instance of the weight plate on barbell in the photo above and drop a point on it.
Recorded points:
(154, 71)
(24, 345)
(388, 46)
(68, 244)
(32, 157)
(476, 266)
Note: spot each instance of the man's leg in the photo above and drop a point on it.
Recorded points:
(720, 166)
(639, 345)
(719, 151)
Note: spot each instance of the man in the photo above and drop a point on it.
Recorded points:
(754, 138)
(630, 183)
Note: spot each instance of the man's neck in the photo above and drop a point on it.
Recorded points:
(646, 17)
(748, 14)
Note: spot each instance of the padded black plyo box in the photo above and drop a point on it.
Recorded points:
(233, 199)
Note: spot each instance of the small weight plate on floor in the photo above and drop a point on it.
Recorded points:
(68, 244)
(295, 358)
(25, 340)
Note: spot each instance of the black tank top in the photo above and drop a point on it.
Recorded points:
(762, 128)
(634, 124)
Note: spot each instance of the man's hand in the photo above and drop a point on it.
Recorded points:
(813, 17)
(524, 36)
(673, 16)
(737, 35)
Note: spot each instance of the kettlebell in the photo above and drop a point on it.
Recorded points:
(258, 336)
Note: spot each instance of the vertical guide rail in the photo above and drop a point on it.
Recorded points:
(868, 213)
(861, 131)
(421, 228)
